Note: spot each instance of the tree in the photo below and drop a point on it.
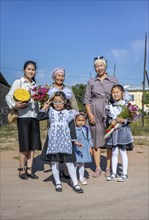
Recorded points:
(146, 98)
(79, 91)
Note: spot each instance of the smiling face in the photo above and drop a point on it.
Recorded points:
(59, 78)
(58, 103)
(29, 72)
(100, 69)
(117, 94)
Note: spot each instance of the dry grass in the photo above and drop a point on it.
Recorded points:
(9, 135)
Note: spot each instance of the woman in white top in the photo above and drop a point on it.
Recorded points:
(27, 123)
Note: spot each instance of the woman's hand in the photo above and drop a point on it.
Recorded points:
(78, 144)
(92, 118)
(20, 105)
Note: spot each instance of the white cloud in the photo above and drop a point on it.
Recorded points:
(133, 53)
(120, 55)
(137, 50)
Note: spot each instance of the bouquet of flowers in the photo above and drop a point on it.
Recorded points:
(129, 112)
(40, 94)
(21, 95)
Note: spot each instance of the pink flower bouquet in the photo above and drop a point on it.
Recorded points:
(40, 94)
(129, 112)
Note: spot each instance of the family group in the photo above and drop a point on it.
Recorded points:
(73, 138)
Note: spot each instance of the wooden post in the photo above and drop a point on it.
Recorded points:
(144, 74)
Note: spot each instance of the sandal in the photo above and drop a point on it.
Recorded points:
(31, 175)
(58, 187)
(108, 172)
(22, 176)
(97, 173)
(78, 189)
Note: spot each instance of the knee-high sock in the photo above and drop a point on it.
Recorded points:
(81, 171)
(55, 171)
(114, 159)
(72, 173)
(124, 160)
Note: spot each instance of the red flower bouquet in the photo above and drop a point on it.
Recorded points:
(40, 94)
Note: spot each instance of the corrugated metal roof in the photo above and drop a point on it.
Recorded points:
(135, 87)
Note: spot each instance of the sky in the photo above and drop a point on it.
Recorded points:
(70, 34)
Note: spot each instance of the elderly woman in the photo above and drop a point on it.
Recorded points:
(58, 76)
(96, 98)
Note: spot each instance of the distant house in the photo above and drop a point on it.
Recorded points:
(4, 88)
(135, 93)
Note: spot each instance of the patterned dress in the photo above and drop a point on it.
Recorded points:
(61, 134)
(84, 137)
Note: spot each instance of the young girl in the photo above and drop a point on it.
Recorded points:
(61, 135)
(83, 154)
(121, 138)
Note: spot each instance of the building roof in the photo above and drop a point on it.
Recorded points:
(135, 88)
(3, 80)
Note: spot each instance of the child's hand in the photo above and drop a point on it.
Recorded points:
(91, 151)
(78, 144)
(120, 120)
(113, 122)
(46, 104)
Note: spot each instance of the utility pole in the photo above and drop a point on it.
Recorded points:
(144, 74)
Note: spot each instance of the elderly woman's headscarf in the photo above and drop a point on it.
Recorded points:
(56, 71)
(100, 59)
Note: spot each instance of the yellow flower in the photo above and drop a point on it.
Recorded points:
(21, 95)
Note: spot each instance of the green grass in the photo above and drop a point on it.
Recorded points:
(138, 130)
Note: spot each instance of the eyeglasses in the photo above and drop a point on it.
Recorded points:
(99, 58)
(58, 103)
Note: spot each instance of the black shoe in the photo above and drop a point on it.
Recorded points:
(23, 176)
(58, 188)
(78, 190)
(32, 176)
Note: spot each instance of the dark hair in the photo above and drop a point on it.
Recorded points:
(28, 63)
(63, 97)
(120, 87)
(81, 114)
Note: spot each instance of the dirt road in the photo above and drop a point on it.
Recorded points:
(37, 199)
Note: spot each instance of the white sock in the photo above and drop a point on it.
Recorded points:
(114, 159)
(55, 171)
(72, 173)
(124, 161)
(81, 171)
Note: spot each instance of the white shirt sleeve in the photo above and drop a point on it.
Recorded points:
(9, 97)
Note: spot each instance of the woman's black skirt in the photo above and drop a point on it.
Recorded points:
(28, 134)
